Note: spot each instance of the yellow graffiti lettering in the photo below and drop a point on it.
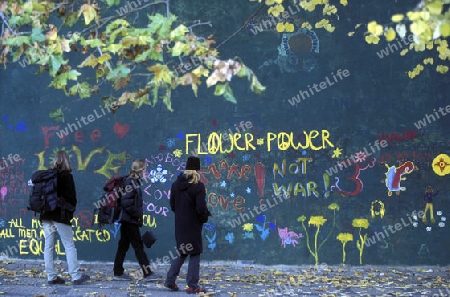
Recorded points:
(248, 141)
(103, 235)
(36, 223)
(149, 221)
(214, 143)
(27, 233)
(7, 233)
(231, 144)
(123, 157)
(281, 190)
(35, 247)
(276, 169)
(311, 187)
(82, 165)
(299, 189)
(22, 246)
(41, 160)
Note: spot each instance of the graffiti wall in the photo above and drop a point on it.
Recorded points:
(339, 177)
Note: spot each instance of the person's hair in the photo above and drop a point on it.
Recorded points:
(429, 189)
(136, 167)
(61, 161)
(192, 175)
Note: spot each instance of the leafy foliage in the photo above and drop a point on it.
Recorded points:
(114, 51)
(429, 25)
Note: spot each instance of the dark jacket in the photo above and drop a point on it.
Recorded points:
(188, 202)
(65, 189)
(131, 202)
(428, 197)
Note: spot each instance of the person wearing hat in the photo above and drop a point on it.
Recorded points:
(188, 202)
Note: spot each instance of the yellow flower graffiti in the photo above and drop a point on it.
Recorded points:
(248, 227)
(344, 238)
(361, 223)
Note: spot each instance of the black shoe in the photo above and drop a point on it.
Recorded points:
(195, 290)
(173, 287)
(82, 279)
(152, 276)
(57, 281)
(122, 277)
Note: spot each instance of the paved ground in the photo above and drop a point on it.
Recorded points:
(26, 278)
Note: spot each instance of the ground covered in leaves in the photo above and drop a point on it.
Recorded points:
(27, 278)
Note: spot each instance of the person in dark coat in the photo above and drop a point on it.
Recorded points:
(188, 202)
(130, 218)
(59, 221)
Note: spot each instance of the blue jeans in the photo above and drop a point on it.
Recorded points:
(65, 233)
(193, 274)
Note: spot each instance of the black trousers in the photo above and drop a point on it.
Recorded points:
(130, 234)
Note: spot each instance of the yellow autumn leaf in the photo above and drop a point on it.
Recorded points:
(103, 58)
(199, 71)
(307, 25)
(344, 2)
(280, 27)
(428, 61)
(397, 18)
(390, 34)
(375, 28)
(372, 39)
(445, 29)
(442, 69)
(404, 52)
(413, 15)
(88, 12)
(329, 28)
(289, 27)
(350, 33)
(430, 45)
(162, 73)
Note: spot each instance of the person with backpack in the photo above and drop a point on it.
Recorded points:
(188, 202)
(131, 219)
(59, 221)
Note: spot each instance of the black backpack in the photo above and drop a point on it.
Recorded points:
(44, 196)
(108, 206)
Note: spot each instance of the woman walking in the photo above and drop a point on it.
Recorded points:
(188, 202)
(57, 221)
(130, 220)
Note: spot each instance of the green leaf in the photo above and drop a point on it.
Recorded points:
(166, 99)
(179, 33)
(160, 25)
(220, 90)
(225, 91)
(84, 90)
(36, 35)
(110, 3)
(55, 63)
(92, 42)
(57, 115)
(71, 19)
(256, 86)
(114, 48)
(17, 41)
(119, 71)
(143, 100)
(149, 55)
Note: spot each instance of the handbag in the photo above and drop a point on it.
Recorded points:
(149, 238)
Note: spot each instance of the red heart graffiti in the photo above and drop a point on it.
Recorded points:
(121, 130)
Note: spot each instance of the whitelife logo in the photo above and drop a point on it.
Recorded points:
(73, 126)
(422, 123)
(323, 85)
